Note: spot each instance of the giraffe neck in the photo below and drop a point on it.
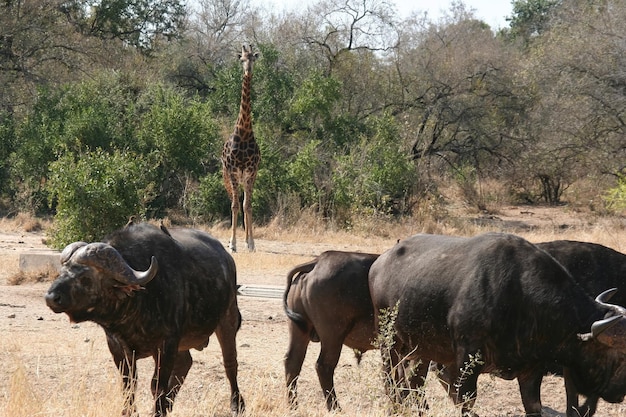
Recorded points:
(244, 121)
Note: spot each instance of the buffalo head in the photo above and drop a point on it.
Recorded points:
(92, 275)
(610, 331)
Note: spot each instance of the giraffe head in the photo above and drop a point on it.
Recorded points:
(247, 57)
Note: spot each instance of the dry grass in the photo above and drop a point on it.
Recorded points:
(45, 274)
(88, 391)
(23, 222)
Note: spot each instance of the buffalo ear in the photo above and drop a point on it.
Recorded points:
(124, 291)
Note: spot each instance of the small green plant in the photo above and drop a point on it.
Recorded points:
(469, 367)
(616, 196)
(397, 377)
(385, 340)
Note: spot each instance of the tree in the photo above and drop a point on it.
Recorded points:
(336, 27)
(458, 88)
(531, 18)
(209, 46)
(139, 23)
(576, 125)
(182, 141)
(37, 48)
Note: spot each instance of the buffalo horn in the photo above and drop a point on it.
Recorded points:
(69, 251)
(105, 257)
(599, 327)
(606, 296)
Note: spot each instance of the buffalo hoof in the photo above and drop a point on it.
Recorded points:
(237, 405)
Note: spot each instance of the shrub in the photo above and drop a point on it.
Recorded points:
(376, 176)
(209, 202)
(95, 193)
(616, 196)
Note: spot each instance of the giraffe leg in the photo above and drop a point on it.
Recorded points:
(247, 217)
(230, 183)
(234, 208)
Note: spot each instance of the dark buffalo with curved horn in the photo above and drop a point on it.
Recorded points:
(155, 294)
(327, 300)
(595, 268)
(501, 305)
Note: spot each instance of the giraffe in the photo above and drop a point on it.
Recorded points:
(241, 157)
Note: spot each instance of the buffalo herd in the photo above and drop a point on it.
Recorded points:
(458, 306)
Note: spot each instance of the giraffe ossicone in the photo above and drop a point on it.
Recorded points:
(241, 156)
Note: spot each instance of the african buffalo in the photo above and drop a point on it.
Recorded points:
(328, 301)
(496, 303)
(186, 293)
(595, 268)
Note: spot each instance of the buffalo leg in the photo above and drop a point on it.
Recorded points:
(530, 391)
(226, 333)
(571, 394)
(573, 410)
(179, 373)
(164, 364)
(127, 365)
(325, 367)
(588, 408)
(298, 344)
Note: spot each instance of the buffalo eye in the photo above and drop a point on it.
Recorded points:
(85, 282)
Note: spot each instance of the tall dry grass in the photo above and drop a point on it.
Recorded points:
(91, 392)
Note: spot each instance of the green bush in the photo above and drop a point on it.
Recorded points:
(209, 202)
(181, 132)
(83, 116)
(616, 196)
(180, 136)
(271, 181)
(306, 174)
(95, 193)
(376, 176)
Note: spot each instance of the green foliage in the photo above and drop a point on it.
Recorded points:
(531, 17)
(225, 97)
(95, 114)
(313, 102)
(36, 138)
(82, 116)
(376, 176)
(113, 113)
(95, 193)
(616, 196)
(180, 131)
(271, 180)
(209, 202)
(306, 173)
(273, 85)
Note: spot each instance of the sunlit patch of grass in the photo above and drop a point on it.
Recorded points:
(44, 274)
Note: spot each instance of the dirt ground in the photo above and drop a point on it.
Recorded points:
(58, 358)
